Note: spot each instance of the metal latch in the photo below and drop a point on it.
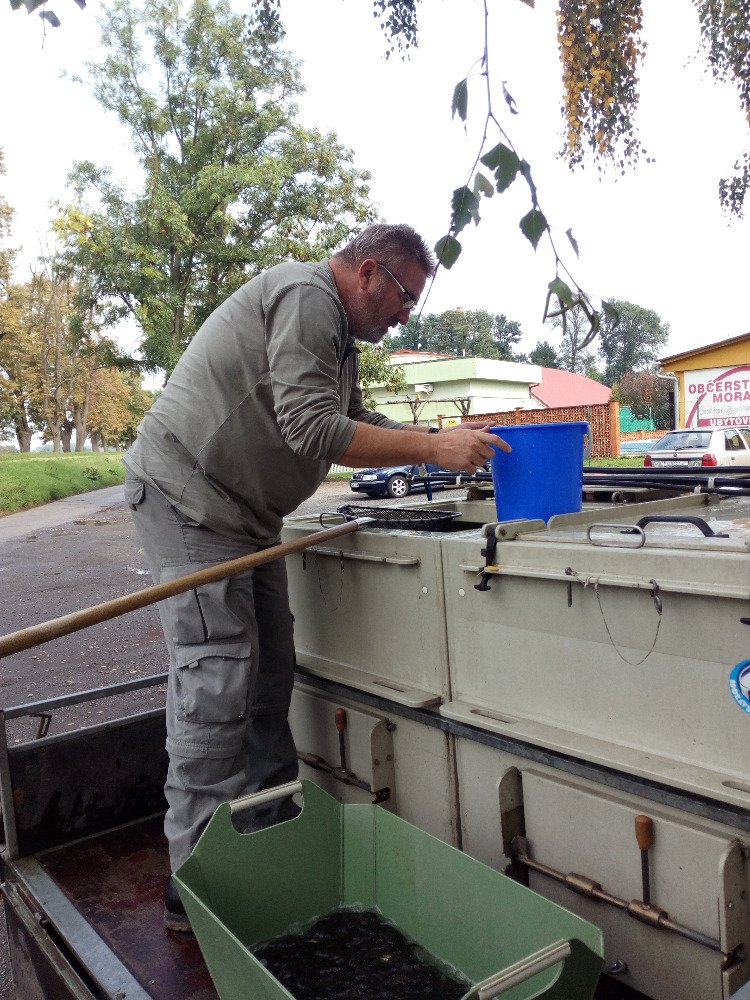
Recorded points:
(341, 772)
(489, 559)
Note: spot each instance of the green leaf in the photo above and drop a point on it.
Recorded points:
(465, 207)
(533, 226)
(492, 159)
(562, 291)
(448, 250)
(483, 186)
(573, 241)
(460, 100)
(505, 163)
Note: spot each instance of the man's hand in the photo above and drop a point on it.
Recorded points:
(472, 425)
(465, 448)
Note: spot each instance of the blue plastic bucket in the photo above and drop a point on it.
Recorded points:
(543, 475)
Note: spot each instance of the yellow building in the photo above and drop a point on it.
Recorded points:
(713, 383)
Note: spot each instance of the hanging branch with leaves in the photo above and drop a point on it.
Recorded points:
(505, 166)
(725, 34)
(600, 49)
(49, 16)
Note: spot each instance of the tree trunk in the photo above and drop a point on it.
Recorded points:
(95, 440)
(24, 430)
(53, 431)
(24, 435)
(66, 432)
(80, 419)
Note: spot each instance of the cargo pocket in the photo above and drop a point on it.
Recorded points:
(134, 490)
(212, 683)
(206, 614)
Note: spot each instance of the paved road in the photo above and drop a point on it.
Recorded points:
(51, 515)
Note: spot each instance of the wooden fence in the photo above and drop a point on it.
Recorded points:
(603, 419)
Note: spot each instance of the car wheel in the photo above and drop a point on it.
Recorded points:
(397, 486)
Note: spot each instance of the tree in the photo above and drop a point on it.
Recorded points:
(117, 405)
(374, 369)
(647, 396)
(576, 335)
(545, 355)
(53, 362)
(48, 321)
(232, 183)
(499, 340)
(18, 378)
(461, 332)
(13, 390)
(7, 255)
(90, 315)
(631, 339)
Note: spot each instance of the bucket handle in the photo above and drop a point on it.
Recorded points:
(267, 795)
(519, 972)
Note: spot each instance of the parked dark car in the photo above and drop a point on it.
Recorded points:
(401, 480)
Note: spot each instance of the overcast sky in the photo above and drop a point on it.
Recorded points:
(656, 237)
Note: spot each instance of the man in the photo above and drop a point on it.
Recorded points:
(263, 401)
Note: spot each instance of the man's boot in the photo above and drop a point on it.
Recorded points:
(175, 917)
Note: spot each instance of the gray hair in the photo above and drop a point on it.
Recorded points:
(390, 245)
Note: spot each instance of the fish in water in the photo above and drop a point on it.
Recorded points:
(356, 955)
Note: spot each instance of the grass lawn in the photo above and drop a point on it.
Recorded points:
(27, 480)
(619, 460)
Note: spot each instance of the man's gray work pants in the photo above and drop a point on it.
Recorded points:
(231, 671)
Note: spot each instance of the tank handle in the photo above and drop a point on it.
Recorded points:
(608, 540)
(267, 795)
(697, 522)
(589, 441)
(519, 972)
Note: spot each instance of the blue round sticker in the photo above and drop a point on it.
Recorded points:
(739, 685)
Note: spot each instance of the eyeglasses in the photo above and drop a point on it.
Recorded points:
(410, 300)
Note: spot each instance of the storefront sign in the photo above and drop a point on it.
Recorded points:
(717, 397)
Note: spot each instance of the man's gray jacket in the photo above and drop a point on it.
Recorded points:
(262, 402)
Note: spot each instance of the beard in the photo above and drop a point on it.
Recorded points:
(371, 335)
(366, 320)
(364, 324)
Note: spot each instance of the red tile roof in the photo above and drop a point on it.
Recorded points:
(562, 388)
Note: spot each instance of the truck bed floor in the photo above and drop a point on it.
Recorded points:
(117, 881)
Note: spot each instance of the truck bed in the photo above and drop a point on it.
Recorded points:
(85, 864)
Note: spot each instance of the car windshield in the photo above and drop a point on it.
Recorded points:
(683, 439)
